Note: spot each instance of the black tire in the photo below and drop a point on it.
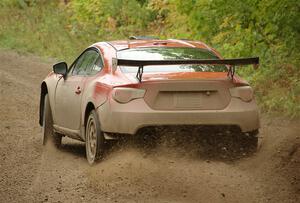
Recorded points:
(94, 139)
(49, 136)
(147, 138)
(252, 139)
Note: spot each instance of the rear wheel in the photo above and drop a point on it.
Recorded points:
(95, 141)
(48, 132)
(147, 138)
(252, 139)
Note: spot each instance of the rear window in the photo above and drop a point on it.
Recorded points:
(169, 53)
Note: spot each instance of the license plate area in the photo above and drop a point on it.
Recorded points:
(187, 100)
(187, 95)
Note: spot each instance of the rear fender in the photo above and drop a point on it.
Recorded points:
(96, 94)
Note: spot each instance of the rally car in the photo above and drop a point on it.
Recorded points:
(117, 88)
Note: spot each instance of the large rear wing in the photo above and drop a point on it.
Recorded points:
(231, 62)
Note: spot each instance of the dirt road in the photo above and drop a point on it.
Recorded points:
(30, 172)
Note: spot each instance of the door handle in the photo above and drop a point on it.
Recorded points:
(78, 90)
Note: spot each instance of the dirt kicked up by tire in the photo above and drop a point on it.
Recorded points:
(175, 170)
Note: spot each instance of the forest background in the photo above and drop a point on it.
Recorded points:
(269, 29)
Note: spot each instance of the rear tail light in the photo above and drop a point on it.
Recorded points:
(245, 93)
(125, 95)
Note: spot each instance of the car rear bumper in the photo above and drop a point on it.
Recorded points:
(130, 117)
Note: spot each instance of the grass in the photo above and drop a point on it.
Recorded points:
(43, 31)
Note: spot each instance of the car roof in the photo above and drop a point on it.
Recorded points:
(128, 44)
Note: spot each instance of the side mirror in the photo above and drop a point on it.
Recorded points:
(60, 68)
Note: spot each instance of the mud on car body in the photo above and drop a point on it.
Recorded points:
(118, 88)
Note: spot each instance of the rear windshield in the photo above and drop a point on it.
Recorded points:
(169, 53)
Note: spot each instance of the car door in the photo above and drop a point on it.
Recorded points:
(69, 91)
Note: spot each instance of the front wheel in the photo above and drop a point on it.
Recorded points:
(94, 139)
(48, 131)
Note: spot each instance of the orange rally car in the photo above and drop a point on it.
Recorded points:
(120, 87)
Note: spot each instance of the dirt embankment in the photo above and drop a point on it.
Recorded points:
(32, 173)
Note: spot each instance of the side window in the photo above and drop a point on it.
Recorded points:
(85, 62)
(96, 67)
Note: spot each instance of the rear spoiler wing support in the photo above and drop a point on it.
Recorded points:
(231, 72)
(230, 62)
(140, 72)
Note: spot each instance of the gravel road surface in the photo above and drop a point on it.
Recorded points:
(30, 172)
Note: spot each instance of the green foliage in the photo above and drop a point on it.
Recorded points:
(20, 3)
(265, 28)
(39, 28)
(104, 17)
